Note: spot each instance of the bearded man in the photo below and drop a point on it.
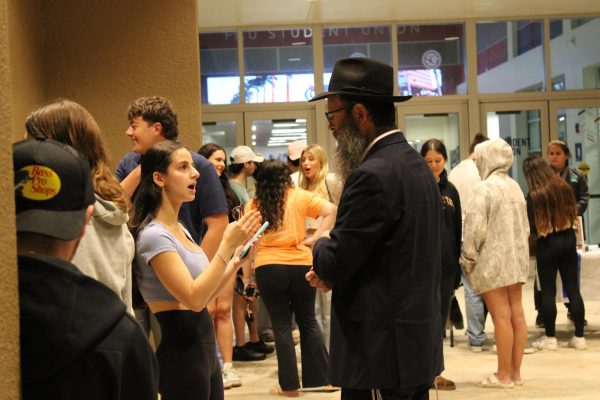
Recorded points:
(382, 259)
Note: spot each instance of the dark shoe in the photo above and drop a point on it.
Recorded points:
(260, 347)
(539, 320)
(244, 353)
(585, 323)
(267, 336)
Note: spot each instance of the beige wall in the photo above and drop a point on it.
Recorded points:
(102, 54)
(108, 53)
(9, 306)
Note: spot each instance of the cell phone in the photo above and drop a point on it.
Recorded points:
(256, 235)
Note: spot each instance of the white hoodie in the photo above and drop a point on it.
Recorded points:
(106, 250)
(495, 250)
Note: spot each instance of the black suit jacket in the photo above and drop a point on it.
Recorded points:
(383, 260)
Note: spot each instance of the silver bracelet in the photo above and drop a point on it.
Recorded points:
(222, 258)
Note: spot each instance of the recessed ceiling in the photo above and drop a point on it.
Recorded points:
(216, 14)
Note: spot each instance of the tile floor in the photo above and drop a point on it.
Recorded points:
(563, 374)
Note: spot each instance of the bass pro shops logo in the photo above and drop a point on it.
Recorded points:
(37, 182)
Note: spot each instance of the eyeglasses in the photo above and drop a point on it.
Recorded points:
(237, 212)
(329, 114)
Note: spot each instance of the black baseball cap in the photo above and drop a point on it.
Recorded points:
(53, 188)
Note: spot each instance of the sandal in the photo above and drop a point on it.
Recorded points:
(326, 389)
(518, 383)
(277, 391)
(493, 382)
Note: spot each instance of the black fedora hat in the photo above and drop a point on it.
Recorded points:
(362, 77)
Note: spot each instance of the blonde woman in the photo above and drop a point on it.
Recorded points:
(315, 177)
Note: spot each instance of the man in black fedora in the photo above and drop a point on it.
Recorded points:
(382, 260)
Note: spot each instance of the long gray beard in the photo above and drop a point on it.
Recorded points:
(349, 149)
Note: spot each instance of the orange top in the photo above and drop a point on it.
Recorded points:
(282, 246)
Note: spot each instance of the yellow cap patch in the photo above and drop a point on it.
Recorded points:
(42, 183)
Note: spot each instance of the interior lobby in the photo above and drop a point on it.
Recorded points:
(240, 72)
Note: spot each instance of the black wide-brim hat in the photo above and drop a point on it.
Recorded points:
(364, 78)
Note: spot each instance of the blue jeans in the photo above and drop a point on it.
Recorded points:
(475, 314)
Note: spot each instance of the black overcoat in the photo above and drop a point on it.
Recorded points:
(383, 260)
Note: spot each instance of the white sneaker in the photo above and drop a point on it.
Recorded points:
(231, 375)
(545, 343)
(226, 383)
(578, 343)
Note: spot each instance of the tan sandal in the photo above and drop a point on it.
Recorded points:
(277, 391)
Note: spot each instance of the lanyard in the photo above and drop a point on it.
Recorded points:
(377, 139)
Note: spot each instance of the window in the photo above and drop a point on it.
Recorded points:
(431, 60)
(278, 65)
(219, 68)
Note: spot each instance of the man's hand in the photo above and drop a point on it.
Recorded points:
(315, 281)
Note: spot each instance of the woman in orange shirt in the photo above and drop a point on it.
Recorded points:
(283, 258)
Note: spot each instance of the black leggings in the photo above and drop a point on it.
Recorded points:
(557, 252)
(285, 290)
(187, 357)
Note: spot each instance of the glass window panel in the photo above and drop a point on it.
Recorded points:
(344, 42)
(271, 137)
(420, 128)
(219, 68)
(580, 129)
(278, 65)
(521, 130)
(431, 60)
(221, 133)
(575, 55)
(510, 57)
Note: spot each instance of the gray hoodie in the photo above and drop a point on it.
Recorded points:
(495, 249)
(106, 251)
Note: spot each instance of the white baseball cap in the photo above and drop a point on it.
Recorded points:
(242, 154)
(295, 149)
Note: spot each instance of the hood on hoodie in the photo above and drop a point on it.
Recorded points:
(108, 212)
(491, 156)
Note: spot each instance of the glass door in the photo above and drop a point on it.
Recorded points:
(224, 129)
(270, 132)
(577, 122)
(524, 125)
(444, 122)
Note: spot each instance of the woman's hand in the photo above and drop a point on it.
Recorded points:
(241, 230)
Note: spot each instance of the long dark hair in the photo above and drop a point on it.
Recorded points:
(232, 200)
(148, 196)
(554, 205)
(434, 145)
(272, 182)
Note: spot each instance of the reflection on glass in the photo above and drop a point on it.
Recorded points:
(574, 55)
(521, 130)
(580, 129)
(510, 56)
(343, 42)
(278, 65)
(271, 137)
(420, 128)
(221, 133)
(431, 60)
(219, 71)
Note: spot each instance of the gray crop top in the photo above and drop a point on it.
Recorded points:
(153, 240)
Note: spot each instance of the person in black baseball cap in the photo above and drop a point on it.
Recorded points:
(386, 241)
(77, 340)
(53, 189)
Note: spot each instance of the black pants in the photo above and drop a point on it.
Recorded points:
(187, 357)
(416, 393)
(285, 290)
(557, 253)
